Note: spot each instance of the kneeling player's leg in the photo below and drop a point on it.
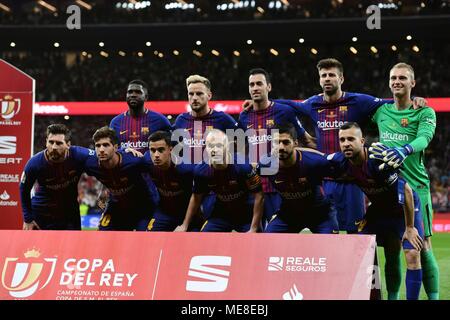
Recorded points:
(272, 203)
(163, 222)
(277, 225)
(215, 224)
(327, 224)
(105, 223)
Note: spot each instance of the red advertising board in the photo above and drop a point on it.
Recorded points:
(16, 139)
(81, 265)
(164, 107)
(441, 222)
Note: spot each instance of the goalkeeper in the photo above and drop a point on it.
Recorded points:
(404, 135)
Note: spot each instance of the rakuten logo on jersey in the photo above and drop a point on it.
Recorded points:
(257, 139)
(297, 264)
(389, 136)
(329, 125)
(134, 144)
(213, 279)
(192, 142)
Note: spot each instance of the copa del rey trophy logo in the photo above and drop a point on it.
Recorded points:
(22, 277)
(9, 107)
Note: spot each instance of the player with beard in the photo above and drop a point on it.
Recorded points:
(394, 213)
(129, 205)
(57, 170)
(134, 126)
(258, 124)
(299, 182)
(328, 111)
(191, 128)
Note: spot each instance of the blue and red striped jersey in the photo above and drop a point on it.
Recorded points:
(133, 132)
(328, 117)
(195, 129)
(56, 195)
(174, 185)
(300, 185)
(129, 192)
(232, 187)
(259, 124)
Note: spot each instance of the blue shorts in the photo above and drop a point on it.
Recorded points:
(272, 204)
(317, 222)
(216, 224)
(48, 222)
(58, 225)
(164, 222)
(348, 199)
(112, 222)
(390, 227)
(207, 205)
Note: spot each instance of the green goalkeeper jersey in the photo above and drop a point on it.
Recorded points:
(409, 126)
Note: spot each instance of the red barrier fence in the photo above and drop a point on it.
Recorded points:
(81, 265)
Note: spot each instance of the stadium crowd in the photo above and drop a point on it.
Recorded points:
(77, 76)
(30, 13)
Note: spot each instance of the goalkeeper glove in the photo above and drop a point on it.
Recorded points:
(394, 157)
(376, 151)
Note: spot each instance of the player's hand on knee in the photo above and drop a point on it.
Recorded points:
(412, 235)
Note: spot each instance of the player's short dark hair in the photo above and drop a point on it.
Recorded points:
(106, 132)
(142, 83)
(260, 71)
(59, 128)
(349, 125)
(330, 63)
(161, 135)
(288, 128)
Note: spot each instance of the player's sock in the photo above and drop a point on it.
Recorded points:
(430, 274)
(393, 274)
(413, 284)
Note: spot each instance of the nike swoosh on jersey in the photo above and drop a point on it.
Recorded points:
(122, 132)
(278, 181)
(249, 126)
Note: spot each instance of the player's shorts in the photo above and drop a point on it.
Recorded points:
(227, 220)
(217, 224)
(112, 222)
(386, 227)
(318, 222)
(427, 210)
(52, 223)
(272, 204)
(348, 200)
(164, 222)
(207, 205)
